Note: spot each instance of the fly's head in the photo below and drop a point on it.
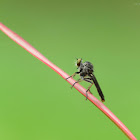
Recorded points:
(79, 61)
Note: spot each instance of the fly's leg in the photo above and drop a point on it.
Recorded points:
(89, 89)
(79, 80)
(73, 75)
(90, 81)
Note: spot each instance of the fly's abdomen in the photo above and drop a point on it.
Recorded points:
(98, 88)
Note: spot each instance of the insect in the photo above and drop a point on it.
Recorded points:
(86, 74)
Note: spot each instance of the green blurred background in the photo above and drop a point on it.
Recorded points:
(35, 102)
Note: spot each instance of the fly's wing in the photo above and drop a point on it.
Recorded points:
(98, 88)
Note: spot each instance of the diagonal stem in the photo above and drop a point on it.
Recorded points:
(82, 90)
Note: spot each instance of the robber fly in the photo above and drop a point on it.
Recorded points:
(86, 74)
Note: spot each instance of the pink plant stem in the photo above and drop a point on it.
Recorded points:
(82, 90)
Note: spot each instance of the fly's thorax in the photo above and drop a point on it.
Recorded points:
(88, 64)
(83, 73)
(81, 66)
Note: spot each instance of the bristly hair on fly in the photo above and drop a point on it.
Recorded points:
(75, 61)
